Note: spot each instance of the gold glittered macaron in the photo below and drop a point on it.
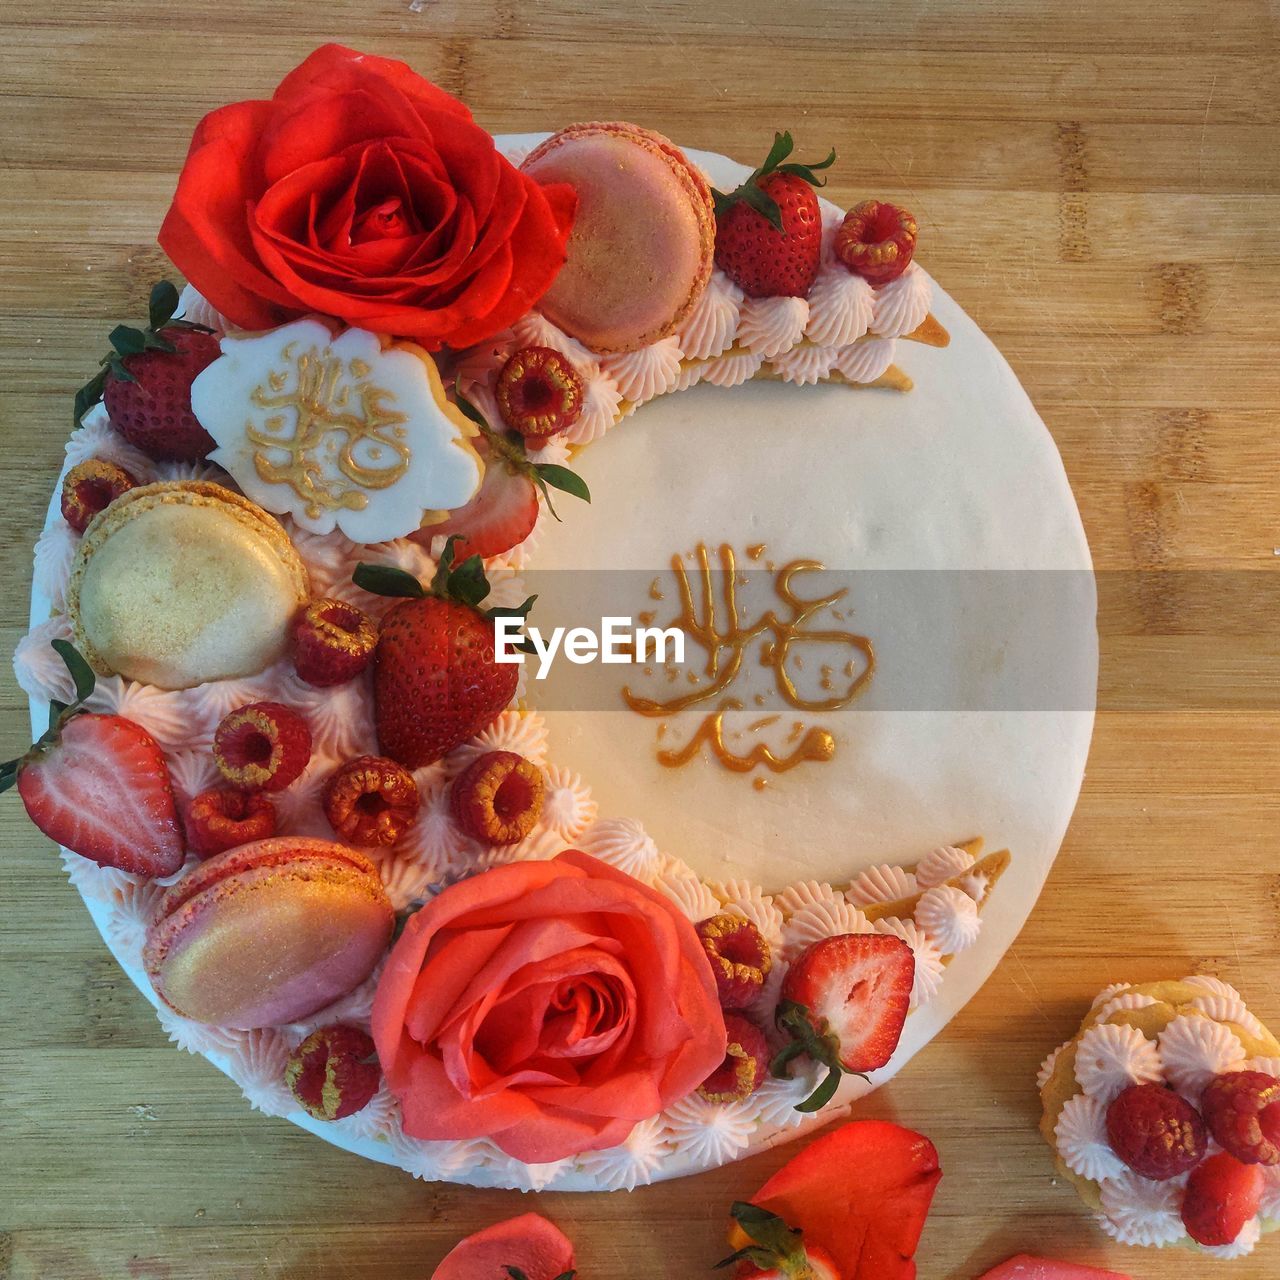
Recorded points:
(182, 582)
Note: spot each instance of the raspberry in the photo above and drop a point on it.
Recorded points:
(740, 958)
(1222, 1195)
(89, 487)
(498, 797)
(332, 642)
(876, 241)
(1155, 1131)
(539, 392)
(371, 800)
(1242, 1110)
(746, 1057)
(223, 817)
(334, 1072)
(262, 746)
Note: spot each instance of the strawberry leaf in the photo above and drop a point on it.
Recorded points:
(81, 671)
(162, 304)
(823, 1093)
(88, 396)
(562, 478)
(387, 580)
(9, 774)
(511, 611)
(468, 409)
(467, 583)
(127, 340)
(750, 193)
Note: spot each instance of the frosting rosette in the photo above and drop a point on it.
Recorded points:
(548, 1006)
(362, 191)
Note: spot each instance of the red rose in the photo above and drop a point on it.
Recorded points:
(363, 191)
(550, 1006)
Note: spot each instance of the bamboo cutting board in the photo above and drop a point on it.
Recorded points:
(1097, 183)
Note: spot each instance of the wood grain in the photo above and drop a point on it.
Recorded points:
(1099, 184)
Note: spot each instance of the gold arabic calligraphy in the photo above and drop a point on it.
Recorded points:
(336, 409)
(714, 620)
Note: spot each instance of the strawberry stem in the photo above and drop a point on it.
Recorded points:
(750, 192)
(83, 678)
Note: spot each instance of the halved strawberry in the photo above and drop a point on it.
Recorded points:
(776, 1251)
(500, 515)
(861, 1193)
(844, 1002)
(1025, 1267)
(1222, 1195)
(99, 785)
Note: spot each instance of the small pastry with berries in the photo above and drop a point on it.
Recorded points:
(1163, 1111)
(178, 583)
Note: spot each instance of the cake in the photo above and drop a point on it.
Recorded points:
(400, 380)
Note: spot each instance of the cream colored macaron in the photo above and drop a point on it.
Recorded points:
(178, 583)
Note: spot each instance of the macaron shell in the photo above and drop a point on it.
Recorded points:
(266, 938)
(174, 584)
(643, 238)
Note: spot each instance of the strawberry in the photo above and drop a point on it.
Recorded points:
(1221, 1196)
(145, 382)
(436, 679)
(769, 230)
(504, 509)
(877, 241)
(1155, 1131)
(99, 785)
(844, 1003)
(1242, 1110)
(498, 797)
(539, 393)
(861, 1193)
(776, 1251)
(500, 515)
(1025, 1267)
(90, 487)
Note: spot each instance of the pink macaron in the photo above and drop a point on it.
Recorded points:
(268, 933)
(643, 239)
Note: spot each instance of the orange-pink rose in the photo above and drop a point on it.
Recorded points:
(549, 1006)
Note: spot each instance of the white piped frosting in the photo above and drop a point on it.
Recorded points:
(841, 307)
(1194, 1050)
(901, 305)
(712, 1132)
(882, 884)
(769, 326)
(712, 325)
(733, 368)
(623, 843)
(257, 1065)
(1125, 1002)
(1109, 1058)
(1081, 1133)
(1140, 1211)
(567, 808)
(942, 864)
(634, 1161)
(689, 893)
(868, 360)
(804, 366)
(929, 966)
(54, 552)
(1229, 1009)
(950, 917)
(651, 371)
(823, 919)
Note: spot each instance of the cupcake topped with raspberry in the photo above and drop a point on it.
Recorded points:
(1164, 1112)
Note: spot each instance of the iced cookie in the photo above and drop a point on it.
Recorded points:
(640, 252)
(178, 583)
(1164, 1112)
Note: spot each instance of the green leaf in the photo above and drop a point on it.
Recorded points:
(81, 671)
(511, 611)
(128, 341)
(9, 773)
(468, 409)
(516, 1274)
(783, 1059)
(88, 396)
(467, 583)
(162, 305)
(823, 1093)
(56, 711)
(387, 580)
(765, 205)
(562, 478)
(781, 149)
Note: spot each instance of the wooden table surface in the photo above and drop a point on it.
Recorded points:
(1098, 183)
